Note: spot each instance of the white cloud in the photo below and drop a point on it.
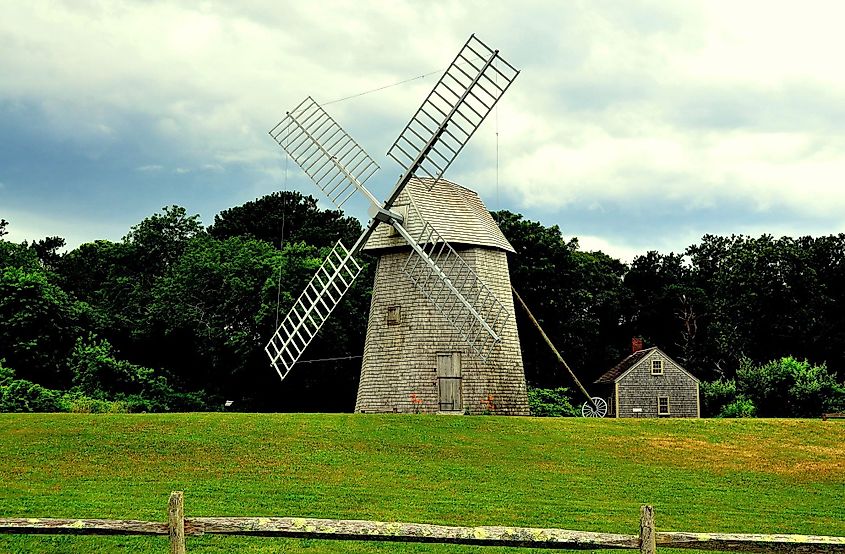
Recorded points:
(624, 252)
(31, 226)
(695, 104)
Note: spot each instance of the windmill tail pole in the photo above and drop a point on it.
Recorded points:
(552, 346)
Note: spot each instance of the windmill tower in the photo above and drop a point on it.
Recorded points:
(414, 360)
(453, 286)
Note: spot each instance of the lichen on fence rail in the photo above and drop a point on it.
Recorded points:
(335, 529)
(178, 527)
(51, 526)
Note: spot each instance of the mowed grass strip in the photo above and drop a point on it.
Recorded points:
(764, 476)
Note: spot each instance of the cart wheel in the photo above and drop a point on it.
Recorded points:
(596, 408)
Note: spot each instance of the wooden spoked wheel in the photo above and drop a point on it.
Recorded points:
(596, 408)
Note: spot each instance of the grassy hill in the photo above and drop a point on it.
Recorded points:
(765, 476)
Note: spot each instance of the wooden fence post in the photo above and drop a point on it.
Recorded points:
(176, 522)
(648, 538)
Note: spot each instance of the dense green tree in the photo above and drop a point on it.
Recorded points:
(666, 308)
(790, 388)
(101, 273)
(204, 311)
(178, 310)
(716, 395)
(159, 240)
(98, 373)
(552, 402)
(823, 311)
(765, 297)
(576, 296)
(286, 216)
(216, 308)
(18, 255)
(20, 395)
(785, 387)
(39, 323)
(47, 250)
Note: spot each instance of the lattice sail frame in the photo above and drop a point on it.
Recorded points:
(313, 307)
(334, 161)
(453, 110)
(438, 131)
(439, 272)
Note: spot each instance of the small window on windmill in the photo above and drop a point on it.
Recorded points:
(393, 315)
(403, 211)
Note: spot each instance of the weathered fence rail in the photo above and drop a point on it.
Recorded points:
(178, 527)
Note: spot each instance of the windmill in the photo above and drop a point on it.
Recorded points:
(448, 117)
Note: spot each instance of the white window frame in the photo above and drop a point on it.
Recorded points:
(658, 369)
(659, 412)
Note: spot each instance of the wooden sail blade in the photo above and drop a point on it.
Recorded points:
(453, 110)
(328, 155)
(455, 290)
(313, 307)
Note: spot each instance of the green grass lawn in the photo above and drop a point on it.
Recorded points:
(767, 476)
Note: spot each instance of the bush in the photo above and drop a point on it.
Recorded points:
(99, 375)
(551, 403)
(716, 396)
(741, 407)
(20, 395)
(77, 403)
(836, 401)
(789, 388)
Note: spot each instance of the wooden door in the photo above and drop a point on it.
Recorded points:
(449, 381)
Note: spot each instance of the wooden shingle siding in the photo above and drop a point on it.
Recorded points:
(401, 360)
(639, 389)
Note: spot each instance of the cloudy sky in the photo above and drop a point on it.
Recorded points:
(634, 126)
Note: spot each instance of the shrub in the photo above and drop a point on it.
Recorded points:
(836, 401)
(551, 402)
(789, 388)
(741, 407)
(6, 373)
(20, 395)
(77, 403)
(98, 374)
(716, 395)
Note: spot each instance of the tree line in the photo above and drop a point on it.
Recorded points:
(175, 316)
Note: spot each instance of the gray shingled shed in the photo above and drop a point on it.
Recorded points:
(648, 383)
(414, 361)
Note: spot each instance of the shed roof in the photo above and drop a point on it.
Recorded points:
(619, 370)
(623, 366)
(456, 212)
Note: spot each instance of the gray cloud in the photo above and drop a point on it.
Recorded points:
(716, 117)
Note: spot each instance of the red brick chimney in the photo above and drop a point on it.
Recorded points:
(636, 344)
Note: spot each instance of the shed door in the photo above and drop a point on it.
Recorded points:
(449, 381)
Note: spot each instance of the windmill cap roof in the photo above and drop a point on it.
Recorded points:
(456, 212)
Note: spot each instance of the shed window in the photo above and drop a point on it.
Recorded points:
(393, 315)
(657, 367)
(662, 405)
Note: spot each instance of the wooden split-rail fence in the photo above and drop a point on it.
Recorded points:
(178, 527)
